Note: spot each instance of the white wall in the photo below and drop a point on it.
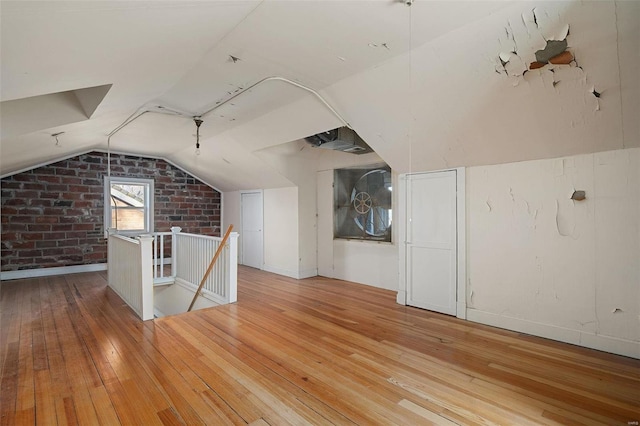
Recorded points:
(541, 263)
(281, 231)
(231, 214)
(364, 262)
(289, 229)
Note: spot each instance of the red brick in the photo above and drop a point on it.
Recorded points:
(82, 204)
(62, 226)
(69, 219)
(53, 251)
(50, 194)
(72, 250)
(51, 179)
(70, 180)
(54, 236)
(8, 184)
(30, 253)
(24, 245)
(38, 186)
(78, 188)
(65, 171)
(83, 227)
(20, 219)
(32, 236)
(20, 261)
(29, 211)
(29, 194)
(25, 177)
(57, 187)
(14, 202)
(39, 227)
(41, 203)
(45, 244)
(46, 219)
(95, 256)
(81, 223)
(53, 211)
(76, 234)
(9, 210)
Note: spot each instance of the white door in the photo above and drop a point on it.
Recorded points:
(431, 241)
(251, 234)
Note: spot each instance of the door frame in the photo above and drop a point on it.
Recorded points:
(251, 191)
(461, 241)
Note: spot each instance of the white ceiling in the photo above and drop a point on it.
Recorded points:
(421, 84)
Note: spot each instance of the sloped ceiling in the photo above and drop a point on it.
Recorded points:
(423, 85)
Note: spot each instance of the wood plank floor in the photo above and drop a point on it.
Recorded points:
(316, 351)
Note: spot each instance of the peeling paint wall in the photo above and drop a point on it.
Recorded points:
(545, 264)
(444, 105)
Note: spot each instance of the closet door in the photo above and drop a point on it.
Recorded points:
(431, 241)
(252, 225)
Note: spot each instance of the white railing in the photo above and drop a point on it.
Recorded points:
(136, 266)
(130, 272)
(191, 256)
(159, 258)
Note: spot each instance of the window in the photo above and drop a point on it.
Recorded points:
(362, 203)
(128, 205)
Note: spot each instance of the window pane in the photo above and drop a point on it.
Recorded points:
(128, 207)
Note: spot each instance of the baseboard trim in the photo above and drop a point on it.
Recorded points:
(298, 275)
(308, 273)
(47, 272)
(574, 337)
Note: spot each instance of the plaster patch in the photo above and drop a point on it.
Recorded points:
(565, 218)
(551, 50)
(578, 195)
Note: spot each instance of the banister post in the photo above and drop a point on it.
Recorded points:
(146, 278)
(110, 232)
(232, 277)
(174, 250)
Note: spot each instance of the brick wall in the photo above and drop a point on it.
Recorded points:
(53, 215)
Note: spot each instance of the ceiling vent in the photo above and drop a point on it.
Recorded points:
(341, 139)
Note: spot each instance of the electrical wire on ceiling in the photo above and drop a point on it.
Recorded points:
(410, 133)
(55, 136)
(159, 109)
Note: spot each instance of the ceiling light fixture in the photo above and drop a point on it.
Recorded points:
(55, 135)
(198, 122)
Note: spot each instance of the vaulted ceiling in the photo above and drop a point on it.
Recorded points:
(433, 85)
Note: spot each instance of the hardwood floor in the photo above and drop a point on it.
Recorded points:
(316, 351)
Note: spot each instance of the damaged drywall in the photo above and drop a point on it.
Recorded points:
(565, 219)
(578, 195)
(545, 49)
(574, 275)
(555, 52)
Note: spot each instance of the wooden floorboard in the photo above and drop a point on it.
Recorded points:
(316, 351)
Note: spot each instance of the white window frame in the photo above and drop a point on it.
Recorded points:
(148, 202)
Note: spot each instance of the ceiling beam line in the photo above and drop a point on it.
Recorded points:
(145, 109)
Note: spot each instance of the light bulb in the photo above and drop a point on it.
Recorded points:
(198, 151)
